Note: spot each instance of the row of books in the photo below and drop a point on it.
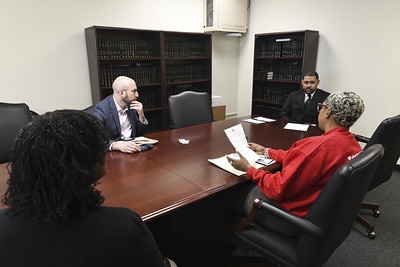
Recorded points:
(148, 74)
(271, 93)
(126, 49)
(179, 73)
(141, 73)
(155, 120)
(281, 48)
(269, 112)
(150, 97)
(147, 48)
(286, 71)
(181, 49)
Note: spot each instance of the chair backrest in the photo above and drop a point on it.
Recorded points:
(34, 114)
(189, 108)
(13, 117)
(387, 134)
(336, 207)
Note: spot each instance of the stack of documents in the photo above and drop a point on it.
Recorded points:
(238, 139)
(259, 120)
(144, 140)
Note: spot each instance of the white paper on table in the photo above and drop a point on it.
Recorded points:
(238, 139)
(296, 126)
(264, 119)
(254, 121)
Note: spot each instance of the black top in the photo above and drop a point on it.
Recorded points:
(103, 237)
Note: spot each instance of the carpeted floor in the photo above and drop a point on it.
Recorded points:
(186, 236)
(358, 250)
(384, 250)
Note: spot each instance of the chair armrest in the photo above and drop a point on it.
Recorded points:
(243, 224)
(302, 224)
(361, 138)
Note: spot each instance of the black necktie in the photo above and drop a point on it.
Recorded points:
(308, 101)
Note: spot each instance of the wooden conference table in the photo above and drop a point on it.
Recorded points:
(173, 175)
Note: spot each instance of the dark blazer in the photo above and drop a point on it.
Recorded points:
(294, 110)
(106, 112)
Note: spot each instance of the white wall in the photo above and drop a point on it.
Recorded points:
(43, 50)
(358, 49)
(225, 67)
(43, 53)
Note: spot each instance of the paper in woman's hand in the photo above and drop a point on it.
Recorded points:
(238, 139)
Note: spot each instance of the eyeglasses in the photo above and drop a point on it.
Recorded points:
(133, 91)
(320, 105)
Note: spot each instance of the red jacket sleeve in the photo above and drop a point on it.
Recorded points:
(288, 183)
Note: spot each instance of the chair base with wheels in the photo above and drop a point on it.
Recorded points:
(364, 222)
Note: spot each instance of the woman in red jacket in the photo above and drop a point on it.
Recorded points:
(308, 164)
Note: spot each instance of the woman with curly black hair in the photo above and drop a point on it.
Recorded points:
(53, 215)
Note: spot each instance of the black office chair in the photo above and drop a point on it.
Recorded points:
(327, 224)
(189, 108)
(13, 117)
(34, 114)
(387, 134)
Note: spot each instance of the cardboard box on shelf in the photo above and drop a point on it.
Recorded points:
(219, 113)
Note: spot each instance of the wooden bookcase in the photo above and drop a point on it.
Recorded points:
(162, 63)
(280, 60)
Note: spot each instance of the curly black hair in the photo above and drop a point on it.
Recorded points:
(52, 166)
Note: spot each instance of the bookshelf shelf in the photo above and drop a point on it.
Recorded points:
(191, 81)
(162, 64)
(280, 60)
(276, 81)
(277, 58)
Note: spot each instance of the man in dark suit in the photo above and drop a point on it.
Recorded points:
(301, 106)
(122, 115)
